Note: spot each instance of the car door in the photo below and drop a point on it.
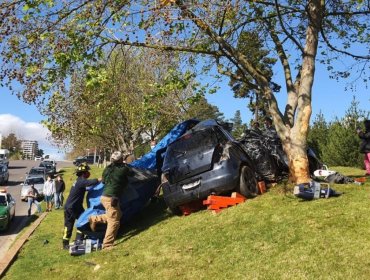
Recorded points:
(11, 205)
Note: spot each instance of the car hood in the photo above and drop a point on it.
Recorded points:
(38, 187)
(3, 210)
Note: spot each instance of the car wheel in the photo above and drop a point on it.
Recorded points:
(248, 183)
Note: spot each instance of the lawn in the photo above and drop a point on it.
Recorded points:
(274, 236)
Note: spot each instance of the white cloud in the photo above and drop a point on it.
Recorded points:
(28, 131)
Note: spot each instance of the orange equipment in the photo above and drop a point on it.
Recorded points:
(217, 203)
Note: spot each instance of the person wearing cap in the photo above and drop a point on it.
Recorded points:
(115, 179)
(73, 207)
(365, 145)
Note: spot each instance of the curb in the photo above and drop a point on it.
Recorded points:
(13, 251)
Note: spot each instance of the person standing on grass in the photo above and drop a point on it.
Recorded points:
(32, 196)
(74, 204)
(115, 179)
(59, 189)
(365, 145)
(49, 190)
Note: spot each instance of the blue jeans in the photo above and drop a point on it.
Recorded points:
(34, 201)
(58, 198)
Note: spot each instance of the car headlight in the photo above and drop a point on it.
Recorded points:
(2, 217)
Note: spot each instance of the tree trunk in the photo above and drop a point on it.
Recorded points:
(298, 162)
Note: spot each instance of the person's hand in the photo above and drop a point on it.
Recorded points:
(100, 179)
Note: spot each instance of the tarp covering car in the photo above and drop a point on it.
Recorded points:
(266, 151)
(142, 184)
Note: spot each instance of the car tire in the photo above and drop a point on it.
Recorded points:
(248, 183)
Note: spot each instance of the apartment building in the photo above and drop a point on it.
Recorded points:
(29, 148)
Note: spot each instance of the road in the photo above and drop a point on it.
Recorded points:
(17, 171)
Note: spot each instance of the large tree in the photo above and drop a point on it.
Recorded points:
(137, 96)
(43, 41)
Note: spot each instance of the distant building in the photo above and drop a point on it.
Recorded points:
(29, 148)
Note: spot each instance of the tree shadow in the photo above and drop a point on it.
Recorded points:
(14, 183)
(17, 167)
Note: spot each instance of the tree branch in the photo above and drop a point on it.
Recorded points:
(285, 30)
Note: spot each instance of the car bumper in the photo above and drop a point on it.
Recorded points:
(224, 177)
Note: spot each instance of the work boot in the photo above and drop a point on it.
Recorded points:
(80, 236)
(92, 223)
(65, 244)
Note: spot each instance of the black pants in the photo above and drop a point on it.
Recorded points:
(70, 216)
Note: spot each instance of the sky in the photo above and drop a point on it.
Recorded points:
(329, 97)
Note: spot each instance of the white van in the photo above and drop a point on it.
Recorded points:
(4, 157)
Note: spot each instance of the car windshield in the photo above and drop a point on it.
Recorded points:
(36, 172)
(36, 180)
(2, 200)
(190, 142)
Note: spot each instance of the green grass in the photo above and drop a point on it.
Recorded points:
(274, 236)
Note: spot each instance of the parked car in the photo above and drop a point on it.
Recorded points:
(84, 159)
(37, 172)
(38, 158)
(50, 168)
(4, 174)
(7, 209)
(38, 182)
(206, 160)
(50, 161)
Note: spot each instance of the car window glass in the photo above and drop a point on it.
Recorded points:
(221, 136)
(9, 197)
(2, 200)
(191, 142)
(35, 181)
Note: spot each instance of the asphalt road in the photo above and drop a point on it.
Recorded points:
(17, 172)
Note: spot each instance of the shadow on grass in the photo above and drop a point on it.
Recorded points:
(18, 223)
(155, 212)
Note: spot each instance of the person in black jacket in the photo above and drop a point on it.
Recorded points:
(365, 145)
(74, 204)
(59, 189)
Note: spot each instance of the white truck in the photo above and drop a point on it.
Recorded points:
(4, 157)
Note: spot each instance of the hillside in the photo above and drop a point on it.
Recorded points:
(274, 236)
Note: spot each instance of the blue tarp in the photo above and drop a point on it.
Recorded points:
(142, 185)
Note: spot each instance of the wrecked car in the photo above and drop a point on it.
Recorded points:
(206, 160)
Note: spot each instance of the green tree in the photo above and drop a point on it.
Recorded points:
(136, 97)
(318, 134)
(238, 127)
(11, 143)
(342, 143)
(202, 110)
(44, 42)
